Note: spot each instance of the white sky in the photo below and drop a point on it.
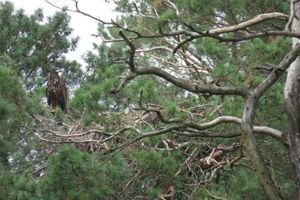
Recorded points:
(83, 26)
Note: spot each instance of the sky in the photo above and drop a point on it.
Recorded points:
(83, 26)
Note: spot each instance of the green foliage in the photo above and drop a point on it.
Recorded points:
(30, 45)
(36, 45)
(70, 174)
(152, 193)
(12, 97)
(27, 51)
(248, 186)
(77, 175)
(168, 14)
(158, 163)
(12, 84)
(18, 187)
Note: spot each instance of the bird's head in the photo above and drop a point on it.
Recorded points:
(55, 70)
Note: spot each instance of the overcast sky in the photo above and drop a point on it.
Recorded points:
(83, 26)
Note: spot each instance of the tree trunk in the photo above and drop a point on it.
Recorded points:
(292, 99)
(253, 150)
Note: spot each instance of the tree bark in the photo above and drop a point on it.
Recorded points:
(253, 150)
(292, 98)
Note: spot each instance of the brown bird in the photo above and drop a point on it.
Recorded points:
(56, 91)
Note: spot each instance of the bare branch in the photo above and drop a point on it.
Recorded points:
(191, 127)
(132, 47)
(256, 35)
(122, 83)
(182, 83)
(120, 132)
(248, 117)
(66, 141)
(277, 72)
(78, 11)
(230, 119)
(188, 85)
(184, 42)
(172, 6)
(149, 134)
(195, 87)
(208, 134)
(255, 20)
(288, 26)
(154, 49)
(141, 14)
(236, 39)
(191, 85)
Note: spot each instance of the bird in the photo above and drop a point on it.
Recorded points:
(56, 91)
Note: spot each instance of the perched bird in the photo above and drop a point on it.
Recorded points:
(56, 91)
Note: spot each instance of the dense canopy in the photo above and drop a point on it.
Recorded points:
(183, 99)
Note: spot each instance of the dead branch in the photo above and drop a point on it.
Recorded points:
(181, 83)
(255, 20)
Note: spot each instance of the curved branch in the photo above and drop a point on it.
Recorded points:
(144, 135)
(78, 11)
(132, 53)
(120, 132)
(193, 86)
(154, 49)
(208, 88)
(188, 85)
(277, 72)
(203, 87)
(288, 26)
(193, 130)
(208, 134)
(247, 123)
(184, 42)
(122, 83)
(141, 14)
(231, 119)
(236, 39)
(182, 83)
(255, 20)
(66, 141)
(256, 35)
